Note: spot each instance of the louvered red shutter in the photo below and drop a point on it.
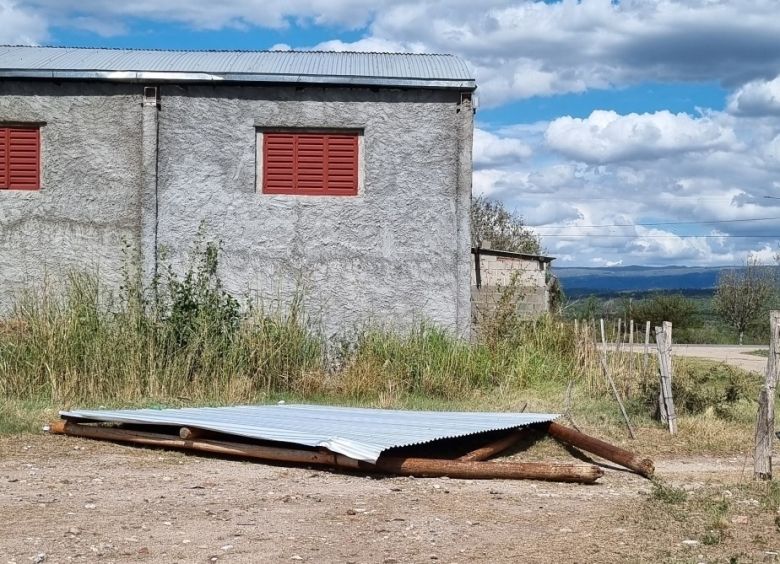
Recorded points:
(3, 157)
(342, 164)
(22, 158)
(310, 164)
(278, 163)
(310, 159)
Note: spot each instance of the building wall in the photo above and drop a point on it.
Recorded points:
(120, 177)
(86, 214)
(496, 274)
(395, 253)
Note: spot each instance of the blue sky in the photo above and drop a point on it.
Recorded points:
(592, 112)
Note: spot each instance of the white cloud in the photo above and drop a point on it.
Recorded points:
(206, 14)
(606, 136)
(766, 254)
(757, 98)
(491, 150)
(518, 49)
(713, 168)
(565, 175)
(600, 261)
(19, 25)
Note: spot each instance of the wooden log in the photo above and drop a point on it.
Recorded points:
(765, 422)
(581, 473)
(494, 448)
(191, 433)
(642, 466)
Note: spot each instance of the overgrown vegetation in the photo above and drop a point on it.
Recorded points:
(190, 342)
(693, 315)
(492, 223)
(742, 295)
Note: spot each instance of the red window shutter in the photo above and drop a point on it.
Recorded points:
(20, 149)
(342, 164)
(310, 159)
(3, 157)
(278, 163)
(309, 163)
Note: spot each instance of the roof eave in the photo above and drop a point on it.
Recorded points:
(203, 77)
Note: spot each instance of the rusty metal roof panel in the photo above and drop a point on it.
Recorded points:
(319, 67)
(359, 433)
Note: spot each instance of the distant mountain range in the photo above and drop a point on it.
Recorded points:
(578, 281)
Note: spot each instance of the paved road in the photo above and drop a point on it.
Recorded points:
(734, 355)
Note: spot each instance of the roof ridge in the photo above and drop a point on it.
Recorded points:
(160, 50)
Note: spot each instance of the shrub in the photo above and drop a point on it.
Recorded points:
(666, 307)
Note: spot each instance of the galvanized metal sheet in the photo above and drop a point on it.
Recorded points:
(378, 69)
(359, 433)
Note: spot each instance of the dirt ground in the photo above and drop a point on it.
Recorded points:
(64, 499)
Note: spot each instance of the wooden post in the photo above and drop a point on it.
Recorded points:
(611, 382)
(631, 349)
(646, 354)
(765, 423)
(663, 338)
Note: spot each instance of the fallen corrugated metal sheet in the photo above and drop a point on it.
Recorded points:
(358, 433)
(128, 65)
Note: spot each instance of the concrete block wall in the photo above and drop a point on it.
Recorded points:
(496, 275)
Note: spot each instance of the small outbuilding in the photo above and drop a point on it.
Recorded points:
(520, 279)
(345, 176)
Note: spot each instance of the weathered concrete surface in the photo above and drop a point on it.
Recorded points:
(87, 210)
(120, 178)
(522, 279)
(393, 254)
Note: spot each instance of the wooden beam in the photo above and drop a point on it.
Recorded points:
(494, 448)
(190, 433)
(642, 466)
(581, 473)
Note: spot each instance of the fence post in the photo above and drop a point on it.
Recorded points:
(765, 424)
(663, 338)
(611, 382)
(631, 348)
(646, 354)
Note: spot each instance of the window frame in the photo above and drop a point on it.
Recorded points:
(5, 183)
(261, 136)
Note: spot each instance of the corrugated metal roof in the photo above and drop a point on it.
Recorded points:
(359, 433)
(511, 254)
(324, 67)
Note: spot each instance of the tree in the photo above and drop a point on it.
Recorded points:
(675, 308)
(743, 294)
(505, 230)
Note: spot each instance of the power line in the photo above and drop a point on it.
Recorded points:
(660, 223)
(776, 236)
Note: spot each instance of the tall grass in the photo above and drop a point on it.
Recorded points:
(190, 341)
